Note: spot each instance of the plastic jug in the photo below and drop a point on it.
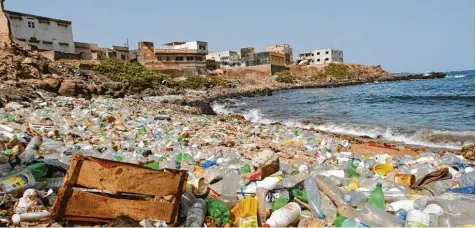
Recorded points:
(18, 181)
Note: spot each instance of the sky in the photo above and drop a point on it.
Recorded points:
(402, 36)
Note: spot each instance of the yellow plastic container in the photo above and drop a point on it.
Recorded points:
(249, 212)
(383, 169)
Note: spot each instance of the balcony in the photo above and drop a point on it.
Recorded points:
(180, 51)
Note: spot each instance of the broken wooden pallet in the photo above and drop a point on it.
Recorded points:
(163, 187)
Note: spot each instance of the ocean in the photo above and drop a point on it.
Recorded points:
(434, 113)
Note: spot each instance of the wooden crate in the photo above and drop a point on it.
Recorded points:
(165, 187)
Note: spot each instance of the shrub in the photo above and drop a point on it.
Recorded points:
(199, 82)
(285, 77)
(337, 70)
(133, 72)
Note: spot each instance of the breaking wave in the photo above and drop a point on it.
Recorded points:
(421, 137)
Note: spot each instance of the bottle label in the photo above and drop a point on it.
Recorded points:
(14, 182)
(250, 221)
(415, 224)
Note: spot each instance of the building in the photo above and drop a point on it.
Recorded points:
(283, 49)
(175, 57)
(323, 56)
(224, 58)
(42, 33)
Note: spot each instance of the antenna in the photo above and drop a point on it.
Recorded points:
(127, 42)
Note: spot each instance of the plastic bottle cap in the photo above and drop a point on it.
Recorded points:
(379, 184)
(266, 225)
(347, 197)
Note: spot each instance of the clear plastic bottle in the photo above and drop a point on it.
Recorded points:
(261, 197)
(467, 179)
(454, 206)
(313, 197)
(50, 183)
(196, 213)
(291, 181)
(328, 208)
(446, 221)
(347, 211)
(330, 189)
(17, 181)
(376, 217)
(231, 182)
(355, 198)
(450, 159)
(31, 149)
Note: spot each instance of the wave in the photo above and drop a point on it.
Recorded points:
(440, 97)
(422, 137)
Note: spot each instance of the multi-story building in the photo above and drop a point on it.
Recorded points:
(224, 58)
(283, 49)
(42, 33)
(323, 56)
(186, 57)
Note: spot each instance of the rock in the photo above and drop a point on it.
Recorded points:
(27, 60)
(72, 88)
(13, 106)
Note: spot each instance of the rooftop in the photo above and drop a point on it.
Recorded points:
(12, 13)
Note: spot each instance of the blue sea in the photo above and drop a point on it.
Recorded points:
(434, 113)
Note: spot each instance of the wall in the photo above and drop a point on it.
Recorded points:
(283, 49)
(5, 39)
(49, 32)
(337, 56)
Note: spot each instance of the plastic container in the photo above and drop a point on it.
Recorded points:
(285, 216)
(196, 213)
(446, 221)
(328, 208)
(31, 149)
(249, 212)
(18, 181)
(376, 217)
(261, 197)
(50, 183)
(355, 198)
(230, 186)
(331, 190)
(377, 197)
(313, 196)
(467, 179)
(417, 218)
(347, 211)
(30, 216)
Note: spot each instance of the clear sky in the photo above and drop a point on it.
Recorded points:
(402, 36)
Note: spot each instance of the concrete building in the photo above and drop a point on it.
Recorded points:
(283, 49)
(42, 33)
(175, 57)
(224, 58)
(323, 56)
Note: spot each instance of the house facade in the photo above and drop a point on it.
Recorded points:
(323, 56)
(183, 57)
(42, 33)
(284, 49)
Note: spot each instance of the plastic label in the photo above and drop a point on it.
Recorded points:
(14, 182)
(250, 221)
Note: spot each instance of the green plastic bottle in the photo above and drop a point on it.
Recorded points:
(377, 197)
(299, 194)
(279, 203)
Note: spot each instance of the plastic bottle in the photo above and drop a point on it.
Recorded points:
(377, 197)
(328, 208)
(297, 193)
(249, 212)
(30, 216)
(268, 183)
(231, 184)
(261, 197)
(467, 179)
(31, 149)
(347, 211)
(313, 196)
(196, 213)
(348, 222)
(291, 181)
(450, 159)
(376, 217)
(285, 216)
(417, 218)
(355, 198)
(454, 206)
(18, 181)
(331, 190)
(446, 221)
(50, 183)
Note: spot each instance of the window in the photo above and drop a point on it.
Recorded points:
(31, 24)
(318, 53)
(64, 47)
(312, 54)
(202, 47)
(327, 52)
(318, 60)
(33, 40)
(198, 58)
(159, 58)
(189, 58)
(123, 57)
(327, 59)
(179, 58)
(47, 45)
(44, 25)
(167, 58)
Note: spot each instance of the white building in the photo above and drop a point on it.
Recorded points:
(199, 46)
(42, 32)
(222, 55)
(323, 56)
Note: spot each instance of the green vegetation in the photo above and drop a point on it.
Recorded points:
(138, 75)
(133, 72)
(337, 70)
(285, 77)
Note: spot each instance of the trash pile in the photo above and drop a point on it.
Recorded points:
(160, 165)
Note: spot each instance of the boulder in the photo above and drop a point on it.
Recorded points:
(71, 88)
